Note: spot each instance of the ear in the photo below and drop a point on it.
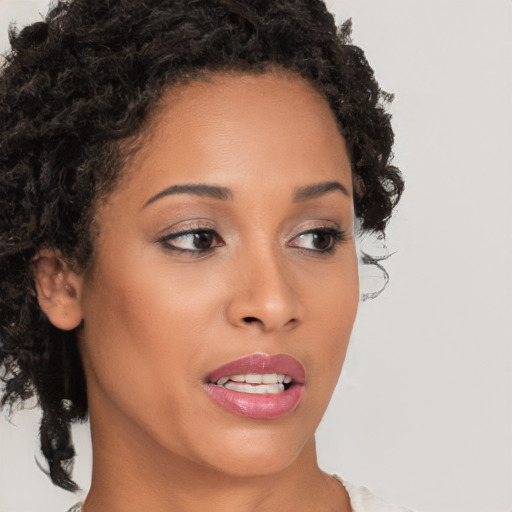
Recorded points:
(59, 289)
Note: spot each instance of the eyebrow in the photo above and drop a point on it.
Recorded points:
(197, 189)
(318, 190)
(223, 193)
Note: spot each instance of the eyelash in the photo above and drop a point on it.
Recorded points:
(190, 231)
(337, 237)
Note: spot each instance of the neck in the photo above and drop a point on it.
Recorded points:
(141, 475)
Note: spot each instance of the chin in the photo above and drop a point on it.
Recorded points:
(256, 453)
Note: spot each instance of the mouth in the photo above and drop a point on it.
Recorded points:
(256, 383)
(258, 386)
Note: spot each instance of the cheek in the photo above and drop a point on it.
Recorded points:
(333, 309)
(142, 344)
(148, 320)
(333, 296)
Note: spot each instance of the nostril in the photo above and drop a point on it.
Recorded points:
(250, 319)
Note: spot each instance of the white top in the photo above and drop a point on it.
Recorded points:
(361, 500)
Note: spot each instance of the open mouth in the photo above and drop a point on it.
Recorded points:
(259, 384)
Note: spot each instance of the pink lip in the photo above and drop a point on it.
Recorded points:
(254, 405)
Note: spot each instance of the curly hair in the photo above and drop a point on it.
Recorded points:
(74, 87)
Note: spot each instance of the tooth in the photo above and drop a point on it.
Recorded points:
(265, 389)
(280, 377)
(237, 378)
(249, 388)
(253, 378)
(237, 386)
(270, 389)
(222, 381)
(287, 379)
(269, 378)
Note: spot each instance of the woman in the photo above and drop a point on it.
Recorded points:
(180, 183)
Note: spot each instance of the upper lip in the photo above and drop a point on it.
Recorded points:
(260, 364)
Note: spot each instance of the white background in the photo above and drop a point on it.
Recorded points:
(423, 411)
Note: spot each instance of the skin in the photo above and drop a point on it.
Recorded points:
(156, 320)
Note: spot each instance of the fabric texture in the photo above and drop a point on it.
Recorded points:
(361, 500)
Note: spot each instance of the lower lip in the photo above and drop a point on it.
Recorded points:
(257, 406)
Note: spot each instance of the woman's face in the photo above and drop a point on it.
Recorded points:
(230, 240)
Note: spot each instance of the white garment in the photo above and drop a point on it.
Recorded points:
(361, 500)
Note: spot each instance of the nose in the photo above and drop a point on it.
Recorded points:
(264, 295)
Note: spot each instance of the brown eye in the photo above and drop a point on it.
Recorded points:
(203, 239)
(319, 240)
(198, 240)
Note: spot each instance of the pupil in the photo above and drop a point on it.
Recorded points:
(321, 241)
(203, 240)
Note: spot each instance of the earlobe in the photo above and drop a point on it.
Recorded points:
(59, 289)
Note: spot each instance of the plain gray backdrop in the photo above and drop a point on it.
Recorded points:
(422, 414)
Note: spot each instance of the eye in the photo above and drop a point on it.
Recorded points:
(319, 240)
(197, 240)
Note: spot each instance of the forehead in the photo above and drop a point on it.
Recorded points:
(227, 128)
(234, 105)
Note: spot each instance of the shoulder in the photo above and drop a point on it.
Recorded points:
(362, 500)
